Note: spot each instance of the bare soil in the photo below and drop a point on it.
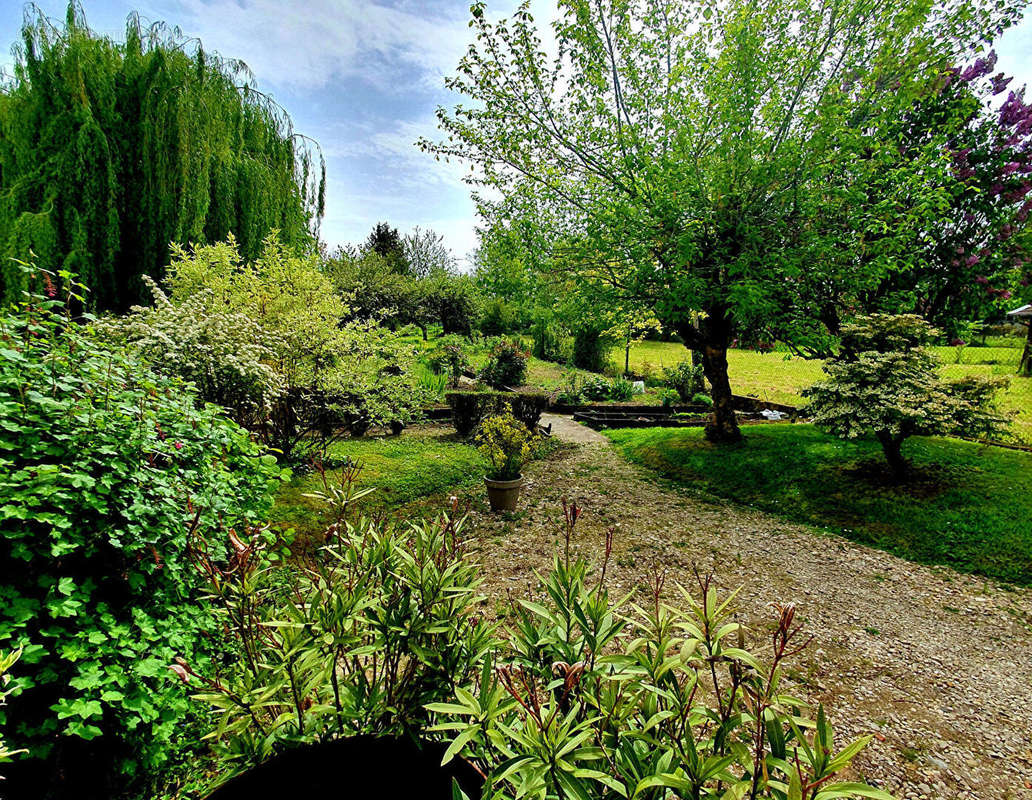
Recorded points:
(936, 665)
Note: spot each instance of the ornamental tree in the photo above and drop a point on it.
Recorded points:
(885, 383)
(685, 153)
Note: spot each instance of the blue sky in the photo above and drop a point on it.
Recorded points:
(364, 79)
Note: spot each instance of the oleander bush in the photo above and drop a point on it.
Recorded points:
(594, 697)
(102, 464)
(381, 624)
(450, 357)
(506, 365)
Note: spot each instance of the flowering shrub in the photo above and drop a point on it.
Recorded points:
(592, 699)
(507, 365)
(505, 442)
(884, 382)
(101, 463)
(226, 355)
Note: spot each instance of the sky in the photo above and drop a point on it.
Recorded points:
(363, 78)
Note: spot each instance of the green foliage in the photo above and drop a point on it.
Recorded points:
(450, 357)
(686, 379)
(528, 407)
(385, 242)
(336, 376)
(506, 365)
(597, 388)
(498, 318)
(505, 442)
(372, 288)
(707, 158)
(547, 341)
(453, 301)
(226, 355)
(669, 397)
(702, 400)
(965, 506)
(7, 660)
(591, 348)
(596, 698)
(102, 462)
(111, 150)
(376, 628)
(884, 382)
(470, 408)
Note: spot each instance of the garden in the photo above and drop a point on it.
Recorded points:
(708, 477)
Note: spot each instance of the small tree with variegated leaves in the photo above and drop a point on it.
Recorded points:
(886, 383)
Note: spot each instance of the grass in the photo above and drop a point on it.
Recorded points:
(967, 507)
(421, 463)
(780, 377)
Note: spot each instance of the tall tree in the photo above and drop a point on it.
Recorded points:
(684, 152)
(426, 253)
(111, 150)
(386, 242)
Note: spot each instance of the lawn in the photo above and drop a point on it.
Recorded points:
(421, 463)
(968, 506)
(780, 377)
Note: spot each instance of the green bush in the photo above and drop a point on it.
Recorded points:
(596, 388)
(595, 698)
(528, 408)
(498, 318)
(450, 357)
(701, 399)
(506, 365)
(591, 349)
(885, 382)
(102, 464)
(686, 379)
(547, 342)
(470, 408)
(367, 636)
(621, 389)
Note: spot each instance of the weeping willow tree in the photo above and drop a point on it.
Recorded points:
(110, 151)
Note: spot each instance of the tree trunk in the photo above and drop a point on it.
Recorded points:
(723, 423)
(892, 445)
(627, 360)
(711, 340)
(1025, 366)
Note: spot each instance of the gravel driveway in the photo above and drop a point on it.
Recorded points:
(937, 665)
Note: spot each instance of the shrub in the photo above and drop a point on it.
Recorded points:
(668, 397)
(450, 357)
(469, 408)
(366, 637)
(226, 355)
(101, 463)
(507, 365)
(886, 383)
(7, 660)
(596, 388)
(505, 442)
(591, 700)
(686, 379)
(569, 393)
(621, 389)
(528, 408)
(547, 343)
(498, 318)
(701, 399)
(591, 349)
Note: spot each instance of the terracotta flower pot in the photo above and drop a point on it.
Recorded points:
(503, 494)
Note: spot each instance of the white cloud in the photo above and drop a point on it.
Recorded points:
(311, 44)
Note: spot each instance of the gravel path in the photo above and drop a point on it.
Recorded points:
(937, 665)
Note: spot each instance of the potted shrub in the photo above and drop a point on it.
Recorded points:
(505, 442)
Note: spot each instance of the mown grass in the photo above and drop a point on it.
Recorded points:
(780, 377)
(967, 506)
(419, 464)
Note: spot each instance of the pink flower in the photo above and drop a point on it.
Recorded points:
(178, 445)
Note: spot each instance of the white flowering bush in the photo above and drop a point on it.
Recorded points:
(885, 383)
(227, 355)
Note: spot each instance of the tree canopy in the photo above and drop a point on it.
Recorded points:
(111, 150)
(704, 156)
